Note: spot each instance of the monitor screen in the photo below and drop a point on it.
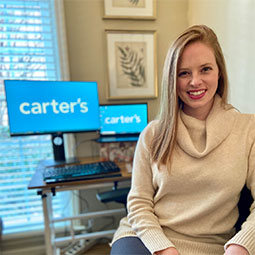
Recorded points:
(123, 118)
(46, 107)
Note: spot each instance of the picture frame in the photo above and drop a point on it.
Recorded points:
(130, 9)
(131, 57)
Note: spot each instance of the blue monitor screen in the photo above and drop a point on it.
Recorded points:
(45, 107)
(123, 118)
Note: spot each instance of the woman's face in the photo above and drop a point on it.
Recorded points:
(197, 79)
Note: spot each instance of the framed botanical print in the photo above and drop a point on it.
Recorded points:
(130, 9)
(131, 64)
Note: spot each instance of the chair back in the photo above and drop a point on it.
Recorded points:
(244, 205)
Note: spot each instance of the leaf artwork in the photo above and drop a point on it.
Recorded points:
(135, 2)
(132, 66)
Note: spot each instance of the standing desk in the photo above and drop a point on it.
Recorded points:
(46, 191)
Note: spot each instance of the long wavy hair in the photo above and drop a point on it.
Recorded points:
(165, 136)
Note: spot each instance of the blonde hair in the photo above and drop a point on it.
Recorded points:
(165, 136)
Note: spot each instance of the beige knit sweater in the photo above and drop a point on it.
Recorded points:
(194, 206)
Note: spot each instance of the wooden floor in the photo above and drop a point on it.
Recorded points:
(98, 249)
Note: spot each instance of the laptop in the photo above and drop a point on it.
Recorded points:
(122, 122)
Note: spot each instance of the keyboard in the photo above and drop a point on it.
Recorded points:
(87, 171)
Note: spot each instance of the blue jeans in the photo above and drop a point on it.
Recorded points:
(129, 246)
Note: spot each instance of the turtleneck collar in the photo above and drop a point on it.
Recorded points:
(198, 138)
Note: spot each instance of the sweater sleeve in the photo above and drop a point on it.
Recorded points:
(246, 236)
(141, 196)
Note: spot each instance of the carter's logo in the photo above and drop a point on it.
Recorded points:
(53, 107)
(123, 119)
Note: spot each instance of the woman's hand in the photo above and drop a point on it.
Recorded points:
(234, 249)
(167, 251)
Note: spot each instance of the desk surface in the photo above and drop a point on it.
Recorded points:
(38, 183)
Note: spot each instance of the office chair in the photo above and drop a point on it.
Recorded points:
(118, 195)
(244, 205)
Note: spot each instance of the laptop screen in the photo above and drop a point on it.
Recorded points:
(122, 119)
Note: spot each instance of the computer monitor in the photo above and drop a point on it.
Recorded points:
(52, 107)
(123, 119)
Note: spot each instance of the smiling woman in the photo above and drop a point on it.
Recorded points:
(191, 164)
(197, 79)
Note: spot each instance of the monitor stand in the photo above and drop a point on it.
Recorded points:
(59, 151)
(58, 147)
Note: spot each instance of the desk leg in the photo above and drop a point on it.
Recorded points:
(49, 232)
